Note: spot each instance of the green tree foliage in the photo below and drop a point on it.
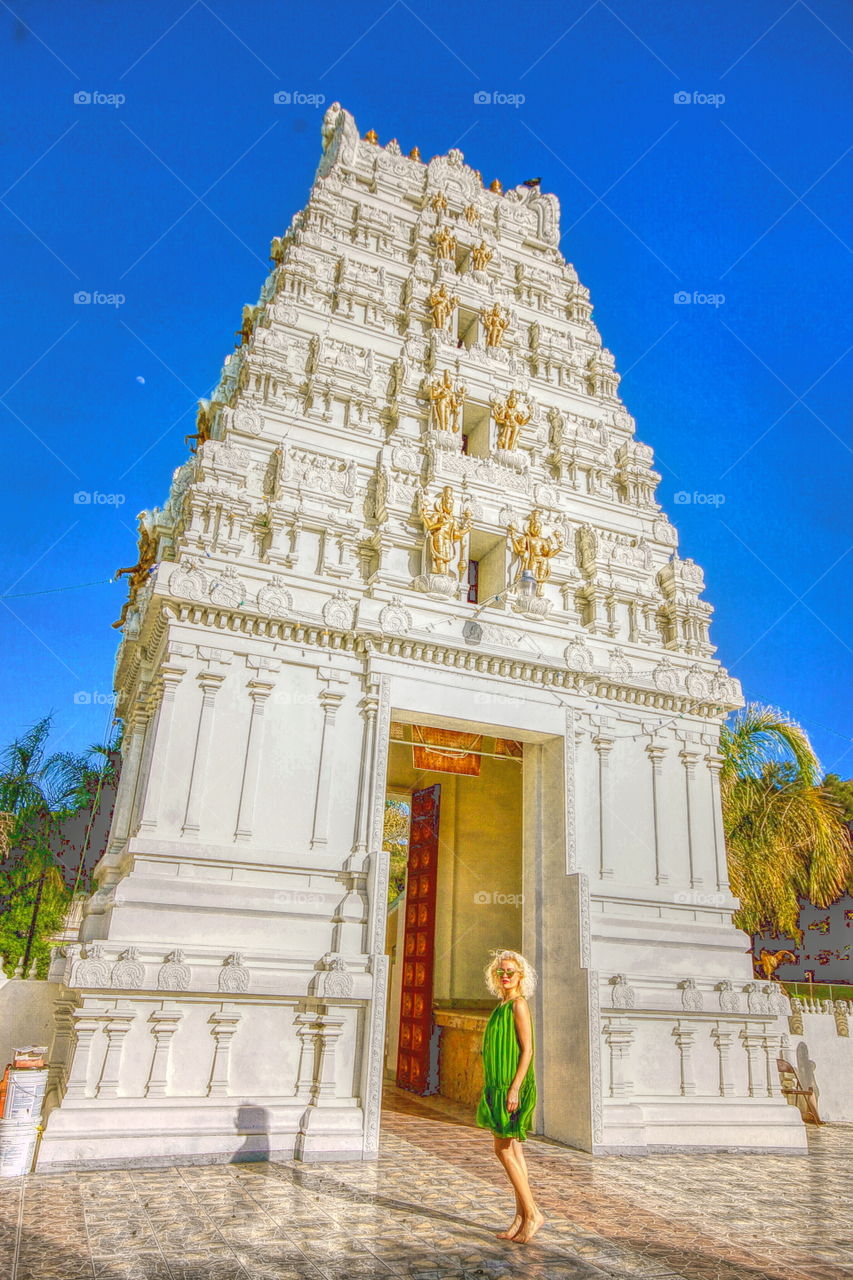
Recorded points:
(785, 834)
(38, 792)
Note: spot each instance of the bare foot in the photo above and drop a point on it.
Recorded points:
(529, 1228)
(511, 1230)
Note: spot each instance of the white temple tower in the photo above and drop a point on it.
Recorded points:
(294, 624)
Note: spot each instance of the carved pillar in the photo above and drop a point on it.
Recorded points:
(164, 1024)
(619, 1039)
(119, 1022)
(753, 1043)
(656, 754)
(370, 708)
(330, 699)
(224, 1023)
(723, 1040)
(151, 787)
(131, 776)
(771, 1042)
(329, 1029)
(209, 682)
(306, 1030)
(259, 691)
(688, 759)
(603, 747)
(85, 1023)
(715, 764)
(685, 1038)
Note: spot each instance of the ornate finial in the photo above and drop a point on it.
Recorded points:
(415, 153)
(496, 187)
(372, 136)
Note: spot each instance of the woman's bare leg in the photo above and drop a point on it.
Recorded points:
(533, 1219)
(525, 1209)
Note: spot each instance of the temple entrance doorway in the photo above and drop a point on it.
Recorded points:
(455, 832)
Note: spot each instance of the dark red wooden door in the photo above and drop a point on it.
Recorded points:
(413, 1054)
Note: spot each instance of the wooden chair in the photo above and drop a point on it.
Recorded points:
(792, 1088)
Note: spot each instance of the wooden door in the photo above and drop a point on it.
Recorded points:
(413, 1054)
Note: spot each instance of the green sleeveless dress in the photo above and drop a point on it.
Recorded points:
(501, 1052)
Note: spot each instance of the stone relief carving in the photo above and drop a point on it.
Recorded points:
(234, 976)
(173, 974)
(127, 971)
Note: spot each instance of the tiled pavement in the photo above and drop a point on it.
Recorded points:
(428, 1210)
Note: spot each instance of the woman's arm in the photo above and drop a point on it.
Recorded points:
(524, 1032)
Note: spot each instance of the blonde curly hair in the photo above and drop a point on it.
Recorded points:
(528, 973)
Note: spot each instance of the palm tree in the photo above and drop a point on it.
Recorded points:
(37, 791)
(785, 834)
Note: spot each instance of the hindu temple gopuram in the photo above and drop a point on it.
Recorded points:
(413, 562)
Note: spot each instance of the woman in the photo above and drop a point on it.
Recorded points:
(509, 1093)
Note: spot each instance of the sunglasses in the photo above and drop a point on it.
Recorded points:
(506, 973)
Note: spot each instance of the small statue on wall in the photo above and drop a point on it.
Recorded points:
(510, 416)
(439, 201)
(442, 306)
(481, 256)
(495, 323)
(447, 402)
(204, 424)
(138, 572)
(768, 961)
(445, 244)
(472, 215)
(535, 549)
(445, 531)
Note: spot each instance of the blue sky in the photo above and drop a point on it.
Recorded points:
(168, 199)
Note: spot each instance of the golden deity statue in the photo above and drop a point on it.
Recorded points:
(481, 256)
(447, 402)
(445, 244)
(439, 202)
(496, 323)
(534, 549)
(442, 306)
(203, 424)
(510, 416)
(444, 531)
(472, 216)
(139, 571)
